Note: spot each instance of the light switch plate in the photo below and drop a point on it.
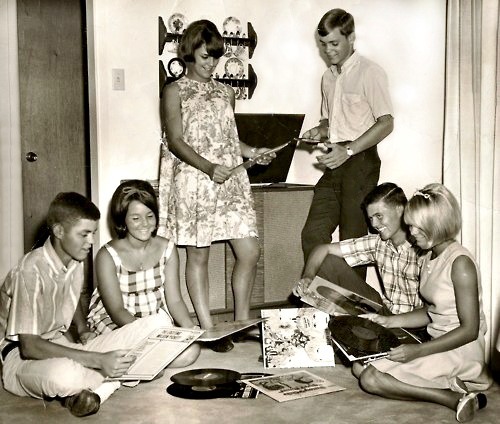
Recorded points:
(118, 77)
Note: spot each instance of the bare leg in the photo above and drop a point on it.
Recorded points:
(385, 385)
(198, 284)
(247, 252)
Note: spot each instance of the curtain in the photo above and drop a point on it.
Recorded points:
(471, 157)
(11, 217)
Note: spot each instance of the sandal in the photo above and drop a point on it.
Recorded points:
(222, 345)
(468, 405)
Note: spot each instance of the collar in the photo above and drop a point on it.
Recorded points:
(348, 64)
(54, 260)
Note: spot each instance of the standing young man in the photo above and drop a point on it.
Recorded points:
(356, 114)
(39, 300)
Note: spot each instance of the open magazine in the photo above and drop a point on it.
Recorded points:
(357, 338)
(157, 350)
(296, 338)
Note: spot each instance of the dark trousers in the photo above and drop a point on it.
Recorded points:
(337, 202)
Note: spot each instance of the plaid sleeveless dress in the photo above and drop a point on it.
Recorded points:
(143, 292)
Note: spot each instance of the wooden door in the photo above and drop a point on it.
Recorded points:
(53, 106)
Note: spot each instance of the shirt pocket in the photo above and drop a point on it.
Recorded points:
(355, 104)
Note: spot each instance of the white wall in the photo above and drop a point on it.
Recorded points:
(406, 37)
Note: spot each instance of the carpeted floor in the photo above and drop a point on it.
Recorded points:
(150, 403)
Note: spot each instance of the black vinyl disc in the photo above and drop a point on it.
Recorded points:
(362, 334)
(204, 392)
(206, 377)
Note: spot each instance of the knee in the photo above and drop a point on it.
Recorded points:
(188, 357)
(250, 255)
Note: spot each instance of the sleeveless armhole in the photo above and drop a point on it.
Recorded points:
(114, 255)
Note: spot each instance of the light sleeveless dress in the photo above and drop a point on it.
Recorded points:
(143, 292)
(194, 210)
(441, 370)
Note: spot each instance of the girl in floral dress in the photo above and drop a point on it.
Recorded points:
(202, 200)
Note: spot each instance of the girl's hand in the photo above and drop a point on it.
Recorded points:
(219, 173)
(265, 159)
(404, 353)
(86, 336)
(382, 320)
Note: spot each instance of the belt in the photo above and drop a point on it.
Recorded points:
(7, 349)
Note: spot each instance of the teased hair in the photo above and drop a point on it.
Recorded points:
(125, 193)
(199, 33)
(69, 207)
(389, 193)
(336, 18)
(435, 211)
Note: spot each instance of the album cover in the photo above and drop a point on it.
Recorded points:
(223, 329)
(293, 385)
(360, 339)
(157, 350)
(333, 299)
(296, 338)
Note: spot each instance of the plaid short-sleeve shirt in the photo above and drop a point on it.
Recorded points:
(398, 266)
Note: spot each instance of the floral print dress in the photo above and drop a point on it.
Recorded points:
(194, 210)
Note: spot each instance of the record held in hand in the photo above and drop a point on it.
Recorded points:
(362, 335)
(206, 377)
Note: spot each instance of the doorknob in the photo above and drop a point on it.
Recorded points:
(31, 156)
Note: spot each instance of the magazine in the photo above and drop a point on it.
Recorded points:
(157, 350)
(296, 338)
(293, 385)
(224, 329)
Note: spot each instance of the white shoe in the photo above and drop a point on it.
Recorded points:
(468, 405)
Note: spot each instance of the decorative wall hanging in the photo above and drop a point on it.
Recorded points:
(233, 68)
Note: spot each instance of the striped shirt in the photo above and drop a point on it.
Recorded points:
(398, 268)
(143, 292)
(39, 296)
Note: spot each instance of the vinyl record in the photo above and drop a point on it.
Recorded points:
(362, 335)
(204, 392)
(206, 377)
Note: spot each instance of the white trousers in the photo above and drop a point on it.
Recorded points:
(65, 377)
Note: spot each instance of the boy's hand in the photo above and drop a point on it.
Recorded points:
(115, 363)
(302, 287)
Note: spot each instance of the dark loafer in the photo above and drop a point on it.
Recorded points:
(222, 345)
(82, 404)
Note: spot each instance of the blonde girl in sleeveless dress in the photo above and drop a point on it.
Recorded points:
(449, 369)
(138, 272)
(201, 199)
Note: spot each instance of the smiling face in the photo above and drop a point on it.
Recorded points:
(203, 66)
(421, 239)
(337, 47)
(74, 241)
(140, 221)
(387, 220)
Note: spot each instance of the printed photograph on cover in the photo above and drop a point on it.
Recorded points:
(293, 385)
(296, 338)
(333, 299)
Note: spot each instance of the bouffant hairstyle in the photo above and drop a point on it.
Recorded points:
(199, 33)
(69, 207)
(336, 18)
(126, 193)
(435, 211)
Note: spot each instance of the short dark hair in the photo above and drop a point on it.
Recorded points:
(125, 193)
(70, 207)
(389, 193)
(199, 33)
(336, 18)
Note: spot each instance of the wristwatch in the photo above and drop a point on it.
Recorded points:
(349, 151)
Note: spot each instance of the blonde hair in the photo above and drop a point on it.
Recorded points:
(435, 211)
